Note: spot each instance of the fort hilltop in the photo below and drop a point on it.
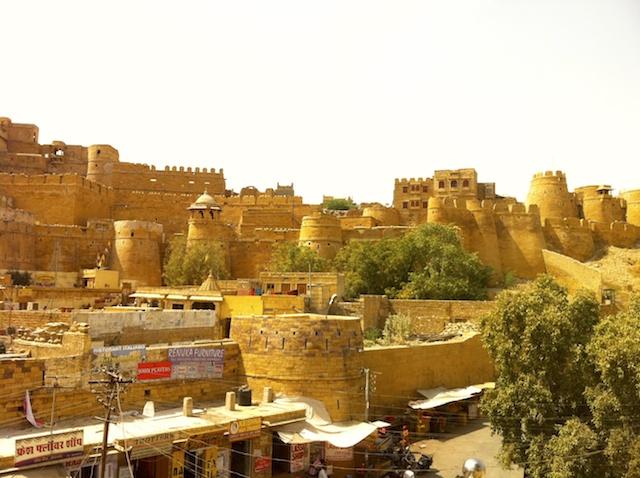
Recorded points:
(67, 208)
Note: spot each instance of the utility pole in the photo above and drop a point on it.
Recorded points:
(367, 385)
(108, 388)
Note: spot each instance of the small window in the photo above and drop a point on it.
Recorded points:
(405, 204)
(465, 183)
(405, 189)
(425, 204)
(441, 184)
(425, 189)
(454, 184)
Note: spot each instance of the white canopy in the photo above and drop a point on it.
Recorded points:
(436, 397)
(318, 427)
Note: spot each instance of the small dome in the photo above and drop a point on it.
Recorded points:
(205, 201)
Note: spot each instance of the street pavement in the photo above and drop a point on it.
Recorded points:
(473, 440)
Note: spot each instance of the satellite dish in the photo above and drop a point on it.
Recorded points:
(474, 468)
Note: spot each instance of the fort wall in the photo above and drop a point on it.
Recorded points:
(571, 237)
(58, 199)
(459, 362)
(572, 274)
(520, 240)
(71, 248)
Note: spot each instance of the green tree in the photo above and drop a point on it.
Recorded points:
(538, 340)
(427, 263)
(191, 265)
(339, 204)
(615, 399)
(288, 257)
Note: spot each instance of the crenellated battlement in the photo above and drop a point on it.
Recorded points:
(53, 180)
(401, 181)
(550, 174)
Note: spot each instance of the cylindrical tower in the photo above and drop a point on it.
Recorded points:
(205, 225)
(550, 193)
(5, 123)
(101, 160)
(385, 216)
(484, 238)
(437, 212)
(597, 203)
(136, 252)
(633, 206)
(310, 355)
(321, 233)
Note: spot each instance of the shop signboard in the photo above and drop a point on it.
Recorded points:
(262, 464)
(299, 451)
(120, 350)
(49, 447)
(154, 370)
(145, 447)
(333, 453)
(196, 362)
(245, 429)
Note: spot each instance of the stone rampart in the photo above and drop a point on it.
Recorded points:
(456, 363)
(310, 355)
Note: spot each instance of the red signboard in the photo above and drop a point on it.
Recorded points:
(262, 464)
(154, 370)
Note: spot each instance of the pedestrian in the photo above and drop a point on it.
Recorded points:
(323, 470)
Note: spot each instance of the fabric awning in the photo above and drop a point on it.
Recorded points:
(206, 298)
(436, 397)
(341, 435)
(318, 427)
(147, 295)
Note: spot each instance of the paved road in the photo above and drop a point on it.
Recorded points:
(471, 441)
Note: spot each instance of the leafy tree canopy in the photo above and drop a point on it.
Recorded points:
(289, 257)
(427, 263)
(568, 383)
(339, 204)
(191, 265)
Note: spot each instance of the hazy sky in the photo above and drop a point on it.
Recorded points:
(339, 97)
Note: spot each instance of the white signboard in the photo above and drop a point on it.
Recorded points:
(49, 447)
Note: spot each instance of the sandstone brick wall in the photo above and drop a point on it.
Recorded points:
(73, 395)
(572, 274)
(427, 316)
(58, 199)
(401, 370)
(151, 327)
(31, 319)
(305, 355)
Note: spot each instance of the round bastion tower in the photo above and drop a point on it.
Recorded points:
(321, 233)
(205, 224)
(550, 193)
(136, 253)
(101, 160)
(309, 355)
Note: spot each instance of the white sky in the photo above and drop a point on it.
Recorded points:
(339, 97)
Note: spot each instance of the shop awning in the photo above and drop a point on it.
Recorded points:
(318, 427)
(341, 435)
(206, 298)
(436, 397)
